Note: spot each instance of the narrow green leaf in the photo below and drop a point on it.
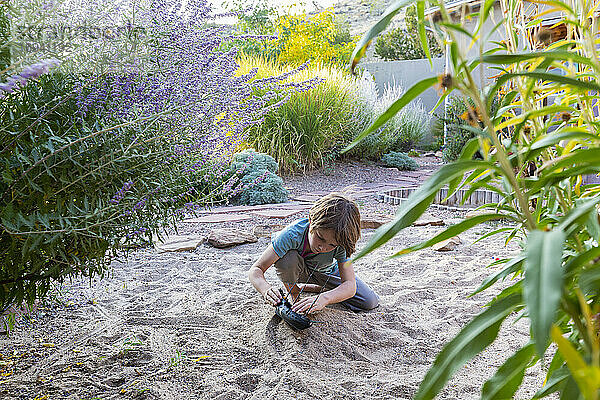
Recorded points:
(579, 214)
(441, 100)
(580, 371)
(554, 383)
(546, 76)
(492, 233)
(471, 340)
(549, 55)
(589, 280)
(509, 376)
(561, 5)
(564, 134)
(419, 200)
(452, 231)
(406, 98)
(543, 282)
(593, 226)
(457, 28)
(512, 266)
(570, 390)
(466, 154)
(376, 29)
(484, 13)
(422, 35)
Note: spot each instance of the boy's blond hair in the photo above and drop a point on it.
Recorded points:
(339, 214)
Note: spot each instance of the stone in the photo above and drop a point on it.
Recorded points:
(429, 154)
(266, 230)
(439, 154)
(178, 243)
(217, 218)
(447, 245)
(308, 198)
(275, 213)
(429, 220)
(228, 237)
(373, 222)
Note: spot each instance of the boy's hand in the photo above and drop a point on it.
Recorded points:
(304, 305)
(272, 296)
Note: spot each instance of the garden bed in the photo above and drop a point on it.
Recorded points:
(189, 325)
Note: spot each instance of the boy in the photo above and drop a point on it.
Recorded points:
(316, 251)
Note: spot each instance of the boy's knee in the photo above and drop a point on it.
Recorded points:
(370, 302)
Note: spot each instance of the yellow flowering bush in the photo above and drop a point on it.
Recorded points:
(317, 38)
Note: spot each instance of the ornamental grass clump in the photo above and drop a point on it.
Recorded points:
(99, 154)
(401, 133)
(301, 133)
(541, 158)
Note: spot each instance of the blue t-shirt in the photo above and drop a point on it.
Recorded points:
(295, 237)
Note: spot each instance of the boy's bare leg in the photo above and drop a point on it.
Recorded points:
(311, 287)
(293, 290)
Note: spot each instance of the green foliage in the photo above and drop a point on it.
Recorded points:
(404, 44)
(401, 133)
(257, 18)
(59, 173)
(255, 180)
(535, 157)
(457, 133)
(312, 127)
(461, 117)
(5, 58)
(264, 187)
(253, 161)
(437, 131)
(304, 132)
(400, 160)
(319, 39)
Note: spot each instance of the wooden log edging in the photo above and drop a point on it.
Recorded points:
(477, 198)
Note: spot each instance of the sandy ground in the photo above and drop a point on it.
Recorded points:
(190, 326)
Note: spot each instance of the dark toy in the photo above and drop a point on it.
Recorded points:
(293, 319)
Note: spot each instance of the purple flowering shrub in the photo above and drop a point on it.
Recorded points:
(93, 162)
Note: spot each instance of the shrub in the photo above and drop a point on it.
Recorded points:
(101, 185)
(437, 131)
(461, 117)
(253, 161)
(263, 187)
(318, 39)
(398, 44)
(303, 132)
(92, 161)
(400, 160)
(404, 43)
(254, 180)
(401, 133)
(456, 133)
